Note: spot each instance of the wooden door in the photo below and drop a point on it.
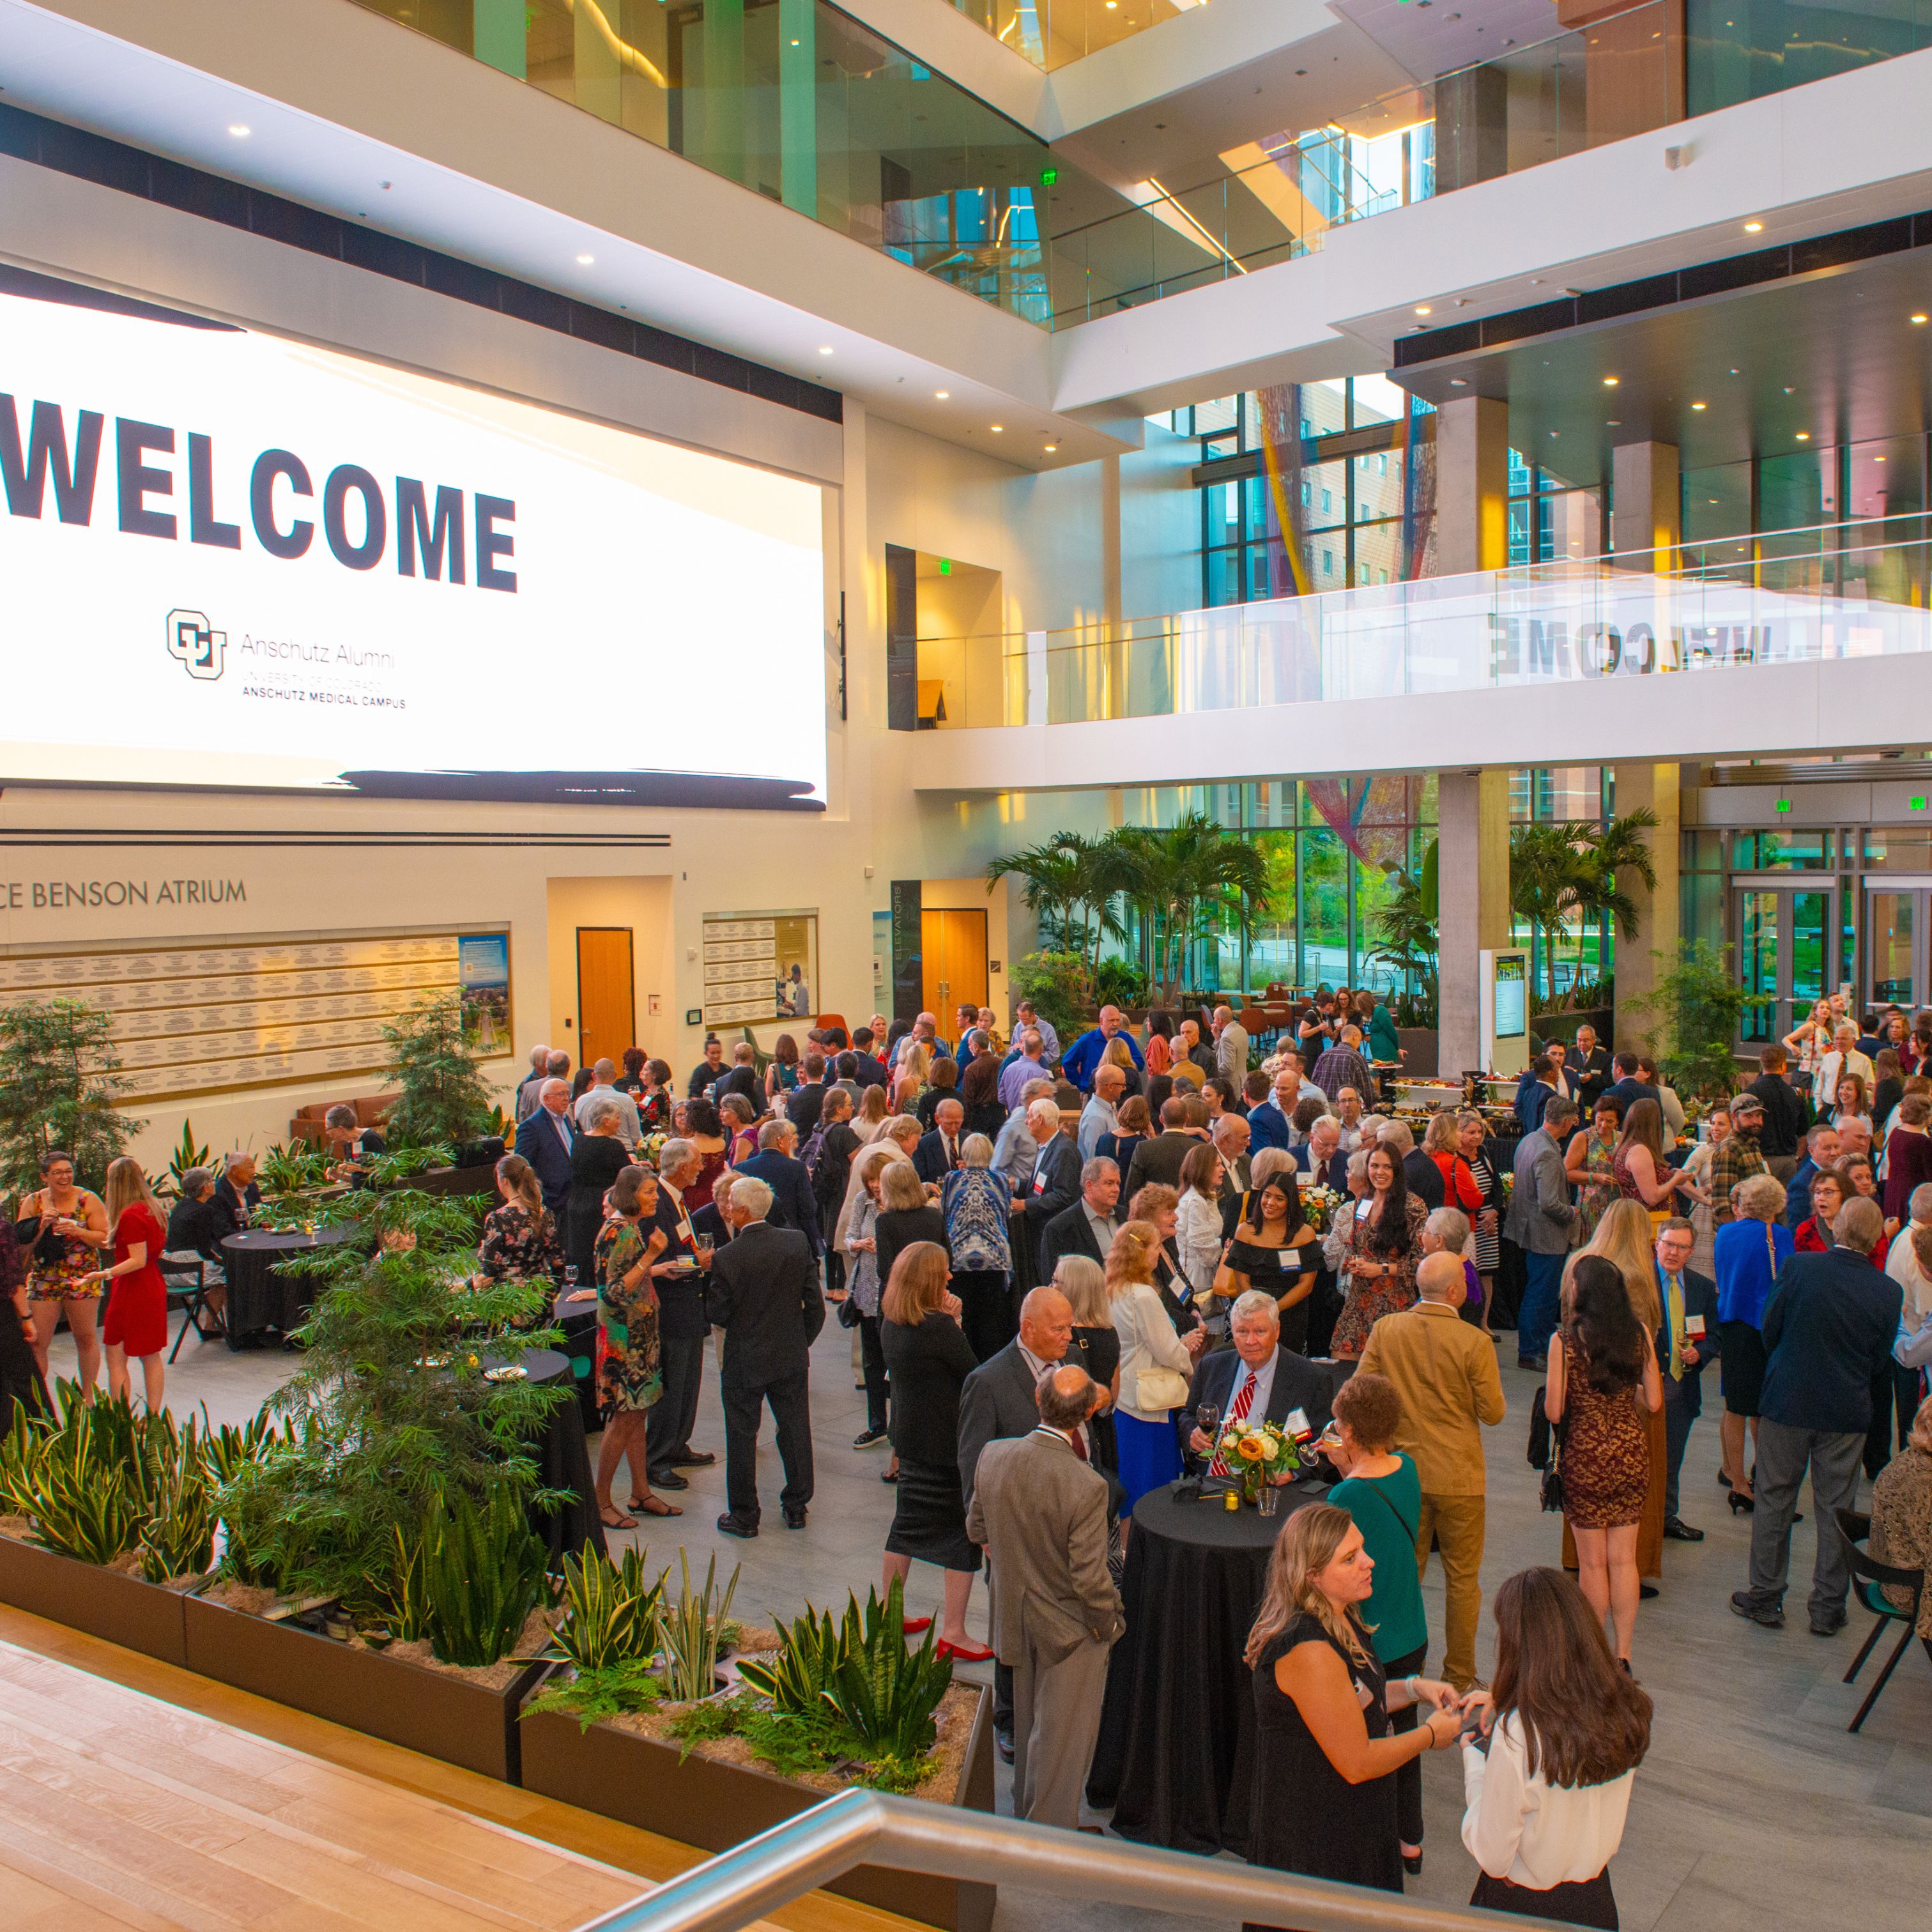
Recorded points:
(607, 1010)
(954, 944)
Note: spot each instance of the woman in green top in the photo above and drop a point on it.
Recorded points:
(1381, 1489)
(1377, 1025)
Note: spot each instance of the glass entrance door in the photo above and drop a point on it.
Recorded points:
(1785, 957)
(1895, 946)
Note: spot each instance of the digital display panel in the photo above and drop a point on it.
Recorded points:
(1512, 997)
(235, 560)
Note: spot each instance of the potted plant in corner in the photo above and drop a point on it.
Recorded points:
(438, 1132)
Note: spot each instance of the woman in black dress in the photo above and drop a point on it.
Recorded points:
(1325, 1759)
(979, 1095)
(1275, 1250)
(1095, 1347)
(928, 1358)
(20, 1379)
(905, 1216)
(597, 1157)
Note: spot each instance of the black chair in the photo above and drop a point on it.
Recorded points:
(1870, 1576)
(184, 1275)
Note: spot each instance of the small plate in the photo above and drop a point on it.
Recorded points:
(510, 1372)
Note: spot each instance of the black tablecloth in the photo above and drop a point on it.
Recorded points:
(1179, 1712)
(262, 1294)
(578, 1321)
(563, 1462)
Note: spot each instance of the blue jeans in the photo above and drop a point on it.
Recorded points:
(1536, 1319)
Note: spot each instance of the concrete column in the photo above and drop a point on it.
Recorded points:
(1472, 879)
(1646, 506)
(1658, 911)
(1471, 128)
(1472, 485)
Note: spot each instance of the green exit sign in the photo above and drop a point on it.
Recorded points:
(1916, 804)
(1784, 805)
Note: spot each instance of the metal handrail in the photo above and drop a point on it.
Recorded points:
(729, 1892)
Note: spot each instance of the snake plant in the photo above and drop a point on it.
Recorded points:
(690, 1633)
(613, 1611)
(482, 1576)
(885, 1694)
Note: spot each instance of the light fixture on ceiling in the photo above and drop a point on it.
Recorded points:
(586, 261)
(1458, 382)
(1878, 459)
(1804, 435)
(1753, 227)
(1052, 446)
(1610, 382)
(240, 130)
(942, 394)
(1918, 318)
(999, 429)
(825, 349)
(1422, 308)
(1696, 405)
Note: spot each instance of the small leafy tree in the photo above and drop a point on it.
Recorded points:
(444, 1100)
(60, 1080)
(1697, 1008)
(1056, 982)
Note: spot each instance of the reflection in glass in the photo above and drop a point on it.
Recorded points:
(1888, 946)
(1757, 964)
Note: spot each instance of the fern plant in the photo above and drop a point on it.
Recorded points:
(613, 1611)
(482, 1576)
(691, 1632)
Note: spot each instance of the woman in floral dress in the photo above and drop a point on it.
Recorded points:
(1591, 1163)
(1385, 1244)
(630, 1373)
(520, 1238)
(63, 1227)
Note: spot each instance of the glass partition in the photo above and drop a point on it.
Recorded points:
(1050, 33)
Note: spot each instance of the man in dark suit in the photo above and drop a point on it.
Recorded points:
(1421, 1175)
(712, 1221)
(1276, 1381)
(1627, 1089)
(806, 1101)
(1828, 1329)
(776, 1165)
(1054, 1183)
(763, 1292)
(1158, 1160)
(236, 1198)
(545, 1140)
(1589, 1068)
(868, 1072)
(742, 1078)
(1088, 1227)
(1781, 1139)
(1536, 1087)
(1322, 1159)
(937, 1153)
(1686, 1341)
(681, 1327)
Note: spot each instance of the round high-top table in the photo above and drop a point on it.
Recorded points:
(1177, 1723)
(262, 1294)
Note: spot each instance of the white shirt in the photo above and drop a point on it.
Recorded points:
(1264, 1380)
(630, 1129)
(1530, 1832)
(1901, 1263)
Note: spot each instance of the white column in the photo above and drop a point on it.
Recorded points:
(1472, 878)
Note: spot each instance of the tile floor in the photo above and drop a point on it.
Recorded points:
(1754, 1806)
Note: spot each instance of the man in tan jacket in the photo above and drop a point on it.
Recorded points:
(1040, 1511)
(1444, 1369)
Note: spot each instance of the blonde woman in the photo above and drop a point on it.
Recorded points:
(869, 1122)
(1809, 1041)
(137, 1303)
(1322, 1707)
(1150, 1451)
(1095, 1346)
(1747, 1257)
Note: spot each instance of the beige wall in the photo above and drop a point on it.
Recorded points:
(640, 904)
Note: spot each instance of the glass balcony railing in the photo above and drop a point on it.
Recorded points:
(1789, 597)
(1051, 33)
(799, 102)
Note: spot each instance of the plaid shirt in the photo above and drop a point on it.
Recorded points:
(1738, 1159)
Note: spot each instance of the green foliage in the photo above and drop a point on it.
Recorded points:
(186, 1154)
(613, 1611)
(612, 1690)
(1056, 984)
(1576, 870)
(691, 1633)
(60, 1080)
(1697, 1008)
(1187, 881)
(1120, 983)
(178, 1540)
(798, 1677)
(292, 1179)
(390, 1410)
(482, 1575)
(445, 1100)
(1405, 927)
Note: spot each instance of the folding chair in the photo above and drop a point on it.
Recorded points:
(185, 1277)
(1870, 1576)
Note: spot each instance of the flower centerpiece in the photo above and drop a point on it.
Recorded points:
(1257, 1454)
(1319, 1208)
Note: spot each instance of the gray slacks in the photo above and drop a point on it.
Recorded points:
(1783, 1453)
(1056, 1719)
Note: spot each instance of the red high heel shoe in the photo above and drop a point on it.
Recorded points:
(912, 1626)
(965, 1653)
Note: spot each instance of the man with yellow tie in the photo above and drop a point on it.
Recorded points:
(1688, 1339)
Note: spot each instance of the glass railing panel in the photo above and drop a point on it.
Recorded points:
(1051, 33)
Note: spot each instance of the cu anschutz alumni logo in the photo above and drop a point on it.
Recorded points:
(201, 650)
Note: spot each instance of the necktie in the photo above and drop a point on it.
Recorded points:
(952, 1156)
(1243, 1402)
(1077, 1436)
(1673, 1304)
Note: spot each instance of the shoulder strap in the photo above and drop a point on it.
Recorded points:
(1411, 1530)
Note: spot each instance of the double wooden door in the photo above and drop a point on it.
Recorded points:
(952, 946)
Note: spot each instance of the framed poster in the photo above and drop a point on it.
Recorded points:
(483, 976)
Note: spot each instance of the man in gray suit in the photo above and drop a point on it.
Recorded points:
(1039, 1510)
(1540, 1217)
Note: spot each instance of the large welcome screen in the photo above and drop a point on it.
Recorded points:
(229, 560)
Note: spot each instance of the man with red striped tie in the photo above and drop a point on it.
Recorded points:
(1256, 1380)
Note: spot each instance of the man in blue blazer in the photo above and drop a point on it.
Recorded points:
(1686, 1341)
(545, 1140)
(776, 1164)
(1828, 1329)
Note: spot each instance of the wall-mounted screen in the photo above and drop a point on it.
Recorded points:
(232, 559)
(1512, 997)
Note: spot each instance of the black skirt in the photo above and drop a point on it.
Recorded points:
(929, 1523)
(1740, 1362)
(1588, 1901)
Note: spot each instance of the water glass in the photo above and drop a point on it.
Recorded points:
(1268, 1501)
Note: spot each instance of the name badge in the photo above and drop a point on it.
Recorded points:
(1693, 1327)
(1040, 1184)
(1296, 1424)
(1287, 1260)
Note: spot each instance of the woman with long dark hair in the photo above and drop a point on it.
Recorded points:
(1602, 1364)
(1385, 1244)
(979, 1095)
(1325, 1758)
(1275, 1250)
(1564, 1729)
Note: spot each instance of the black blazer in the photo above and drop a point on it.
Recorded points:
(1700, 1297)
(1158, 1160)
(708, 1221)
(1828, 1329)
(898, 1228)
(763, 1292)
(1298, 1383)
(1625, 1094)
(928, 1158)
(1423, 1177)
(802, 1106)
(792, 1204)
(1058, 1168)
(196, 1227)
(928, 1365)
(1069, 1232)
(231, 1211)
(595, 1161)
(996, 1402)
(537, 1141)
(1589, 1074)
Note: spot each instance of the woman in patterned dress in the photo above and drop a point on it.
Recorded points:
(1603, 1378)
(62, 1227)
(519, 1237)
(1472, 1135)
(975, 1203)
(630, 1375)
(1385, 1244)
(1590, 1161)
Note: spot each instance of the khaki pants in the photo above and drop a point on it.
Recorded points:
(1056, 1719)
(1456, 1523)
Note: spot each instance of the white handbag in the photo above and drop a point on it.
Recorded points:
(1159, 1388)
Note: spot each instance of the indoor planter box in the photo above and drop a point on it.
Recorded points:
(436, 1712)
(639, 1781)
(107, 1603)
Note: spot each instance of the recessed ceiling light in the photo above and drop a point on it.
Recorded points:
(1878, 459)
(1458, 382)
(1918, 318)
(586, 261)
(1804, 435)
(999, 429)
(1052, 446)
(1610, 382)
(1422, 308)
(1696, 405)
(1753, 227)
(825, 349)
(942, 394)
(240, 130)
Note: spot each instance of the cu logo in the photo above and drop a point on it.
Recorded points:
(203, 651)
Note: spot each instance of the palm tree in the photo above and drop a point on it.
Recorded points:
(1546, 877)
(1405, 928)
(1071, 883)
(1185, 878)
(1050, 890)
(1620, 848)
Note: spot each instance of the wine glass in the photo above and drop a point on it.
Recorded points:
(570, 1277)
(1208, 1415)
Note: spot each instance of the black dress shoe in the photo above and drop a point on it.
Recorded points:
(866, 1441)
(734, 1526)
(794, 1518)
(669, 1479)
(1769, 1614)
(1645, 1591)
(692, 1458)
(1829, 1626)
(1678, 1531)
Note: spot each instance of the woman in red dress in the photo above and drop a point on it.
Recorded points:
(137, 1302)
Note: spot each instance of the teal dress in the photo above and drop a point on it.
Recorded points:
(1383, 1043)
(1387, 1511)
